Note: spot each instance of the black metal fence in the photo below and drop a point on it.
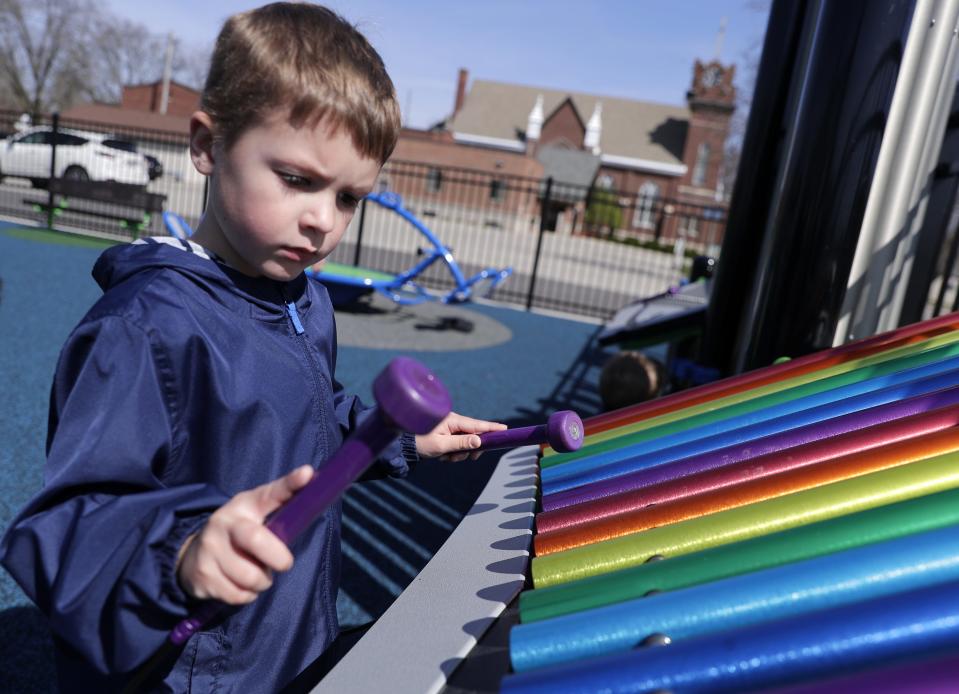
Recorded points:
(583, 250)
(571, 248)
(84, 152)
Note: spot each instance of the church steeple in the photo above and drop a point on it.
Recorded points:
(534, 124)
(720, 39)
(594, 129)
(712, 100)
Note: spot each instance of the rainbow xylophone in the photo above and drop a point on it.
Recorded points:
(792, 529)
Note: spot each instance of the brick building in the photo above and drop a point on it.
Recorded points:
(663, 162)
(140, 107)
(181, 100)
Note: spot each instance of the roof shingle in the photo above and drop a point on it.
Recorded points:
(634, 129)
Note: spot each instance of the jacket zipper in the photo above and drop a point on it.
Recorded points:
(311, 363)
(294, 317)
(319, 410)
(313, 369)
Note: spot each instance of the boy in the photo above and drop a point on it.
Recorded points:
(197, 395)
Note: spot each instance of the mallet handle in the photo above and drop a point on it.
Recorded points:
(409, 398)
(329, 481)
(510, 438)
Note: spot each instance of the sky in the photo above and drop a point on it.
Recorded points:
(634, 49)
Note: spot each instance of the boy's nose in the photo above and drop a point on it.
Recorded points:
(320, 216)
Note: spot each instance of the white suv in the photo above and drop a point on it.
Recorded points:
(81, 156)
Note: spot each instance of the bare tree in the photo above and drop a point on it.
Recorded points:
(54, 53)
(124, 52)
(6, 94)
(35, 37)
(190, 65)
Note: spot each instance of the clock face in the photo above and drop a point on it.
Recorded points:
(711, 76)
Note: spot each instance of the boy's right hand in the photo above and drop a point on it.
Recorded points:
(233, 557)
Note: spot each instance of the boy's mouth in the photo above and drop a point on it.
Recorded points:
(299, 255)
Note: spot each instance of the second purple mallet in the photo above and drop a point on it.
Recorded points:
(563, 432)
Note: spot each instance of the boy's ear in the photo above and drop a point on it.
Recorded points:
(201, 142)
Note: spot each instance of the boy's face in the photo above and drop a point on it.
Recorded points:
(280, 197)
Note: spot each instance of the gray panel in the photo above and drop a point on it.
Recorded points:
(433, 625)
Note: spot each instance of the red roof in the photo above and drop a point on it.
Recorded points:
(114, 116)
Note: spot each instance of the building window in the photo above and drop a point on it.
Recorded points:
(434, 180)
(496, 190)
(702, 162)
(605, 182)
(645, 213)
(689, 227)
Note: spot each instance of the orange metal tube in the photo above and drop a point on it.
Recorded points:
(750, 492)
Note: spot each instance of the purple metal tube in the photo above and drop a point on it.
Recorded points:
(946, 397)
(563, 432)
(936, 676)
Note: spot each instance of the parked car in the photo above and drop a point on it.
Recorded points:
(155, 168)
(81, 156)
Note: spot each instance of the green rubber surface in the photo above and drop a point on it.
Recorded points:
(355, 272)
(62, 238)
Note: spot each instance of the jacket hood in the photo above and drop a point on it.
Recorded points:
(125, 261)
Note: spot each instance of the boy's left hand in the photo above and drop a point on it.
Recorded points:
(455, 437)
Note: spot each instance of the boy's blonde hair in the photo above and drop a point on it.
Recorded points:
(308, 60)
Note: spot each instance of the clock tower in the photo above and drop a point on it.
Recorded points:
(712, 100)
(712, 86)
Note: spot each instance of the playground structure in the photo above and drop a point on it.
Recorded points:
(347, 283)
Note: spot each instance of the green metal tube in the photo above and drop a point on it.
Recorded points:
(803, 542)
(924, 477)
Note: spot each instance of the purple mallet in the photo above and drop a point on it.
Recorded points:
(408, 398)
(563, 432)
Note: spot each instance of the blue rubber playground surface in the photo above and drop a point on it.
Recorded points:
(497, 362)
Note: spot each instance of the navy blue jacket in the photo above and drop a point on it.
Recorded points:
(186, 383)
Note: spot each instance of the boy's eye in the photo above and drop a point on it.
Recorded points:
(294, 180)
(349, 201)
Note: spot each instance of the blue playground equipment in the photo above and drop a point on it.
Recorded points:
(347, 283)
(176, 225)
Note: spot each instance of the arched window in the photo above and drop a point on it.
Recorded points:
(645, 214)
(702, 162)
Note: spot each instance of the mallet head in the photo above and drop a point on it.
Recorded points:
(410, 396)
(564, 431)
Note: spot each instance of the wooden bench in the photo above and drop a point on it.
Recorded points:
(122, 195)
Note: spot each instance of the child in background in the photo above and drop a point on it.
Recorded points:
(629, 378)
(198, 394)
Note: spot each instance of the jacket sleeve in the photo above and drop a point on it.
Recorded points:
(96, 548)
(396, 460)
(400, 456)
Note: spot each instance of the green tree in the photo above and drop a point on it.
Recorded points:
(603, 211)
